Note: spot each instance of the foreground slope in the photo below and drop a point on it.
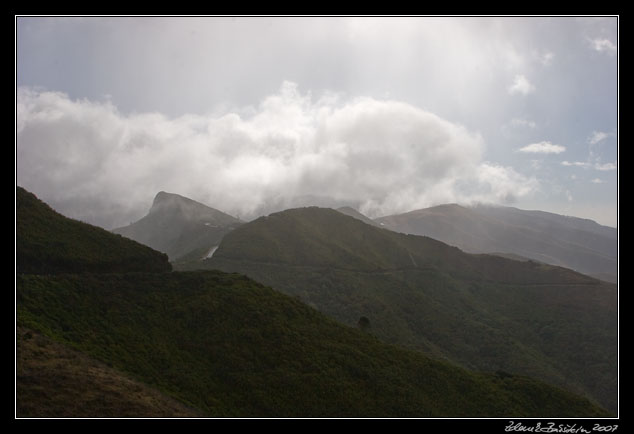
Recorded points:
(575, 243)
(228, 346)
(56, 381)
(180, 226)
(48, 242)
(482, 311)
(224, 345)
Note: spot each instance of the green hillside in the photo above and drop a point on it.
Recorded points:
(322, 237)
(96, 341)
(484, 312)
(49, 243)
(228, 346)
(56, 381)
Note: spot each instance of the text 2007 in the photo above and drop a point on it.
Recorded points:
(606, 428)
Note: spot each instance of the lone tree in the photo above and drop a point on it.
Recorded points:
(364, 323)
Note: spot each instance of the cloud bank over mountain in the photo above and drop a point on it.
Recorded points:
(98, 165)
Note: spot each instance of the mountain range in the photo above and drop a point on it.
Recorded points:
(188, 230)
(578, 244)
(210, 343)
(311, 256)
(481, 311)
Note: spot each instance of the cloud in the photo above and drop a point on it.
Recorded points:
(543, 148)
(521, 85)
(598, 136)
(505, 185)
(536, 164)
(545, 58)
(575, 163)
(604, 167)
(597, 181)
(519, 122)
(603, 45)
(93, 163)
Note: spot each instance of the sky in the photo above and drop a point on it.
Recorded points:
(251, 115)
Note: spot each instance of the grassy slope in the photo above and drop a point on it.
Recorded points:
(326, 238)
(49, 243)
(483, 311)
(228, 346)
(56, 381)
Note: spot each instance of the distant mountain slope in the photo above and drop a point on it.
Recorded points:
(356, 214)
(178, 226)
(579, 244)
(323, 237)
(47, 243)
(482, 311)
(231, 347)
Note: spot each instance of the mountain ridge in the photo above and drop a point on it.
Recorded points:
(363, 250)
(48, 242)
(179, 226)
(190, 208)
(348, 210)
(571, 242)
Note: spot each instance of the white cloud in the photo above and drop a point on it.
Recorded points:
(575, 163)
(519, 122)
(605, 167)
(598, 136)
(597, 181)
(543, 148)
(603, 45)
(92, 162)
(521, 85)
(505, 185)
(545, 58)
(586, 165)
